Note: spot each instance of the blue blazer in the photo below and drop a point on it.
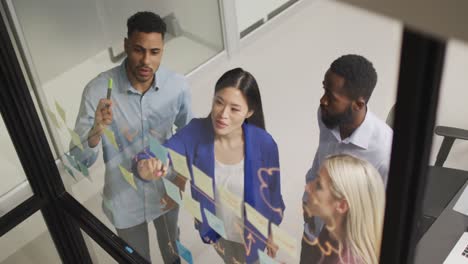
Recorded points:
(262, 188)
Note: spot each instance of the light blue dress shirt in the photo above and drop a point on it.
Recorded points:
(136, 118)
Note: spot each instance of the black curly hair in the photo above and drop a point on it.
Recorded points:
(147, 22)
(359, 74)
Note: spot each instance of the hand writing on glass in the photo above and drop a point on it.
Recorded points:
(151, 169)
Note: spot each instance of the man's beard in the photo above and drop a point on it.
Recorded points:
(332, 121)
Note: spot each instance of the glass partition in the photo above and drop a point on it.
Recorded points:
(67, 44)
(29, 242)
(442, 230)
(15, 188)
(218, 198)
(251, 15)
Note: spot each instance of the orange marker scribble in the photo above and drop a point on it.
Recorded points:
(251, 240)
(264, 185)
(219, 248)
(129, 136)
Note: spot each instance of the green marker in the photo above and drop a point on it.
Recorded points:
(109, 89)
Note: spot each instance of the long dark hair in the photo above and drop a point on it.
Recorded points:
(246, 83)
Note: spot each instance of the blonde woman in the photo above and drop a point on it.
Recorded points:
(349, 195)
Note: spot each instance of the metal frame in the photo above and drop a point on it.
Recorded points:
(421, 63)
(24, 126)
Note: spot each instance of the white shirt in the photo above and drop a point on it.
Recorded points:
(231, 178)
(371, 141)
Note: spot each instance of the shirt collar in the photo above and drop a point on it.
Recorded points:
(127, 86)
(361, 136)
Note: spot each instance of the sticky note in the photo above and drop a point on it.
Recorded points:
(60, 111)
(215, 223)
(264, 258)
(106, 203)
(111, 137)
(53, 118)
(256, 219)
(230, 200)
(128, 176)
(180, 164)
(173, 191)
(158, 150)
(192, 206)
(184, 253)
(83, 168)
(75, 139)
(284, 240)
(203, 182)
(72, 161)
(69, 171)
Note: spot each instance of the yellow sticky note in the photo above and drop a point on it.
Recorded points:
(180, 164)
(111, 137)
(75, 138)
(256, 219)
(284, 240)
(230, 200)
(60, 111)
(53, 118)
(192, 206)
(203, 182)
(128, 176)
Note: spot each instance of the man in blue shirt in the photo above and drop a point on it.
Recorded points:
(146, 102)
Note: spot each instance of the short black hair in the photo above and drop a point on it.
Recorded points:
(147, 22)
(359, 74)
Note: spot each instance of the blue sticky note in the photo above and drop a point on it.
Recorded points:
(72, 161)
(265, 259)
(173, 191)
(215, 223)
(184, 253)
(158, 150)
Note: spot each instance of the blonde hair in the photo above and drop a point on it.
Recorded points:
(359, 183)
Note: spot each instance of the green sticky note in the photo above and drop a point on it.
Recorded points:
(111, 137)
(215, 223)
(75, 139)
(106, 203)
(173, 191)
(83, 168)
(60, 111)
(203, 182)
(128, 176)
(72, 161)
(192, 206)
(179, 163)
(259, 221)
(158, 150)
(53, 118)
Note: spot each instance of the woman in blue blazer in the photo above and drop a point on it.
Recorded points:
(232, 147)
